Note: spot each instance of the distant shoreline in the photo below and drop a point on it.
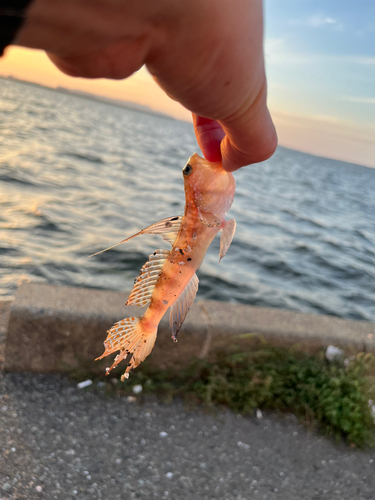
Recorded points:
(133, 106)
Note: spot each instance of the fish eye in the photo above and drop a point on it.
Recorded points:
(187, 169)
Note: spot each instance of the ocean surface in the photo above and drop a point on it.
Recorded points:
(77, 176)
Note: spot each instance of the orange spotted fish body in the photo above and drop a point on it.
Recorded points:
(168, 278)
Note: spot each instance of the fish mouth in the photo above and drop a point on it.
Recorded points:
(196, 159)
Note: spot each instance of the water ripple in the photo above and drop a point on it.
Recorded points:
(77, 176)
(86, 157)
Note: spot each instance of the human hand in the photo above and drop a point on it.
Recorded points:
(206, 54)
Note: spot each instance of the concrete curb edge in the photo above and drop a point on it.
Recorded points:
(53, 328)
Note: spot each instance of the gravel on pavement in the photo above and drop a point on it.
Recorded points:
(58, 441)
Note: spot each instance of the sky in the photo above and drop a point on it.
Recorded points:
(320, 63)
(320, 58)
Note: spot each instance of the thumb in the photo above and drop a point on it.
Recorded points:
(245, 138)
(250, 136)
(249, 139)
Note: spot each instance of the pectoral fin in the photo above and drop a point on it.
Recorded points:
(168, 229)
(209, 223)
(228, 229)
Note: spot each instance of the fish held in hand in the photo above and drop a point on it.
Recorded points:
(168, 279)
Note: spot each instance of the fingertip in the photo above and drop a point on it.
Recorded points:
(232, 158)
(258, 144)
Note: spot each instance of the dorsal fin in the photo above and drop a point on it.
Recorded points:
(182, 305)
(167, 228)
(145, 283)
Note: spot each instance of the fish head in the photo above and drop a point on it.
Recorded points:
(209, 187)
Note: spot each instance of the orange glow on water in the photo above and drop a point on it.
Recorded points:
(313, 134)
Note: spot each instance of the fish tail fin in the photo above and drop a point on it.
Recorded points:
(130, 337)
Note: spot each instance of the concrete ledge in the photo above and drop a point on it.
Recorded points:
(5, 305)
(61, 329)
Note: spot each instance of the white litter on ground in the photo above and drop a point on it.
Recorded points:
(334, 353)
(84, 384)
(372, 408)
(243, 445)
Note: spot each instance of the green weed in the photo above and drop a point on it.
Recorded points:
(331, 397)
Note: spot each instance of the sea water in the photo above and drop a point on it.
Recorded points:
(78, 175)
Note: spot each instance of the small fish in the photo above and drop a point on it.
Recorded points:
(168, 278)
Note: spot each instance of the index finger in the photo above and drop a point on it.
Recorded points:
(250, 135)
(209, 134)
